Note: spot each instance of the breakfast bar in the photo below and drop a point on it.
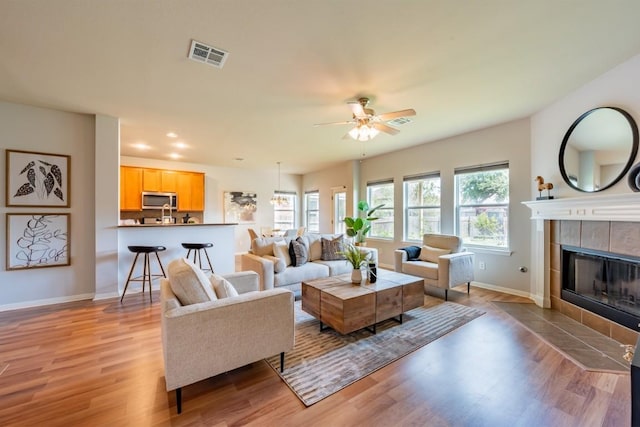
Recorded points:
(172, 236)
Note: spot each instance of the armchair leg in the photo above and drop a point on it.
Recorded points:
(179, 399)
(282, 362)
(468, 287)
(445, 294)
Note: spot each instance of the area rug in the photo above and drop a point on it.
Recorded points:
(323, 363)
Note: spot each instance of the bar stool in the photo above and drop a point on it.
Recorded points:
(146, 269)
(196, 248)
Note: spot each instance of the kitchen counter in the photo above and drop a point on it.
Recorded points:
(172, 236)
(175, 225)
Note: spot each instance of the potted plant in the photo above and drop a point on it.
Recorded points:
(357, 259)
(359, 226)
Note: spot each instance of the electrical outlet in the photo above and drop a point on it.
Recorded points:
(481, 265)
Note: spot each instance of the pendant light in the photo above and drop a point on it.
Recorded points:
(278, 199)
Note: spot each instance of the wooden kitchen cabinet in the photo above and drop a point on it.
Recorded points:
(130, 188)
(160, 180)
(190, 189)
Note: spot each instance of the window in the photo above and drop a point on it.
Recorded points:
(284, 215)
(339, 211)
(312, 211)
(379, 193)
(482, 205)
(421, 205)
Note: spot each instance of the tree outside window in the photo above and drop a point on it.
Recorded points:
(422, 206)
(482, 196)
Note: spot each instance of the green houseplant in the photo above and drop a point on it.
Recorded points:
(359, 226)
(357, 258)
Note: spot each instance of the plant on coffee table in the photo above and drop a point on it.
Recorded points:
(357, 258)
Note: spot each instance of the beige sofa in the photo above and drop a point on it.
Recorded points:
(205, 339)
(444, 263)
(263, 261)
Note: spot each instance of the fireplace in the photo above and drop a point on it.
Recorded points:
(604, 283)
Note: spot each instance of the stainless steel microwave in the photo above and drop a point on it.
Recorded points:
(158, 200)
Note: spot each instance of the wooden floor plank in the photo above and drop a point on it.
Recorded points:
(100, 363)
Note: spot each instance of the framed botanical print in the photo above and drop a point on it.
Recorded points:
(37, 240)
(37, 179)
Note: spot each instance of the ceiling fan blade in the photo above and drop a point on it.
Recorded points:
(350, 122)
(395, 114)
(346, 136)
(357, 109)
(384, 128)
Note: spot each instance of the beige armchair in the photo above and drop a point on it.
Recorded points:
(206, 339)
(442, 262)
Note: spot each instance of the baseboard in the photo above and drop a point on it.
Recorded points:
(106, 295)
(503, 290)
(43, 302)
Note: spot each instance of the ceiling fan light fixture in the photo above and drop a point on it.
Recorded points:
(363, 132)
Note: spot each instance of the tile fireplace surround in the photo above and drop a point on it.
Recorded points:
(608, 223)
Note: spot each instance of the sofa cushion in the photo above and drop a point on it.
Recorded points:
(298, 252)
(332, 249)
(278, 264)
(314, 243)
(431, 254)
(264, 245)
(428, 270)
(281, 250)
(444, 241)
(222, 287)
(189, 283)
(309, 271)
(336, 267)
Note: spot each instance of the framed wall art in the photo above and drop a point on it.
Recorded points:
(37, 179)
(240, 207)
(37, 240)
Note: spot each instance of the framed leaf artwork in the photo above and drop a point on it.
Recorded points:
(37, 179)
(37, 240)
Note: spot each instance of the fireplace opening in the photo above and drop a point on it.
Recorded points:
(604, 283)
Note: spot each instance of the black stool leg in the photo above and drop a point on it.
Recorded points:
(208, 260)
(188, 254)
(129, 276)
(160, 264)
(150, 277)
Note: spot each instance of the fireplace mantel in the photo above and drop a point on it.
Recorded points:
(615, 207)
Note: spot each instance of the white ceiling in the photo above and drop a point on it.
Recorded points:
(462, 65)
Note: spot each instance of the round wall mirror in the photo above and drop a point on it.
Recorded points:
(598, 149)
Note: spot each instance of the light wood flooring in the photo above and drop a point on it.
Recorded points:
(100, 364)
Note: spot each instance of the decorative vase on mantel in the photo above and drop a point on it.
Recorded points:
(356, 276)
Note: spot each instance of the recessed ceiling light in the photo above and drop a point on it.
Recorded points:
(175, 155)
(141, 146)
(172, 135)
(180, 144)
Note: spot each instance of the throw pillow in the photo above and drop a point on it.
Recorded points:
(278, 264)
(332, 249)
(298, 252)
(223, 288)
(189, 283)
(281, 250)
(430, 254)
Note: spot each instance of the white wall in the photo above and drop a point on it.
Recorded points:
(219, 179)
(49, 131)
(509, 142)
(615, 88)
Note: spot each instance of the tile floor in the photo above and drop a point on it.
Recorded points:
(585, 346)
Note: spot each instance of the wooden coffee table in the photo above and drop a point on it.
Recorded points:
(346, 307)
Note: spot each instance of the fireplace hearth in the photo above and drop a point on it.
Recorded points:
(604, 283)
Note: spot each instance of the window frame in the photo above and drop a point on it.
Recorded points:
(406, 181)
(505, 205)
(307, 211)
(371, 185)
(290, 208)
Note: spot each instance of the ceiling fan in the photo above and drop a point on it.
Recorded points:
(367, 123)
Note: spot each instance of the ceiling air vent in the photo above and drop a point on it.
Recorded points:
(200, 52)
(399, 121)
